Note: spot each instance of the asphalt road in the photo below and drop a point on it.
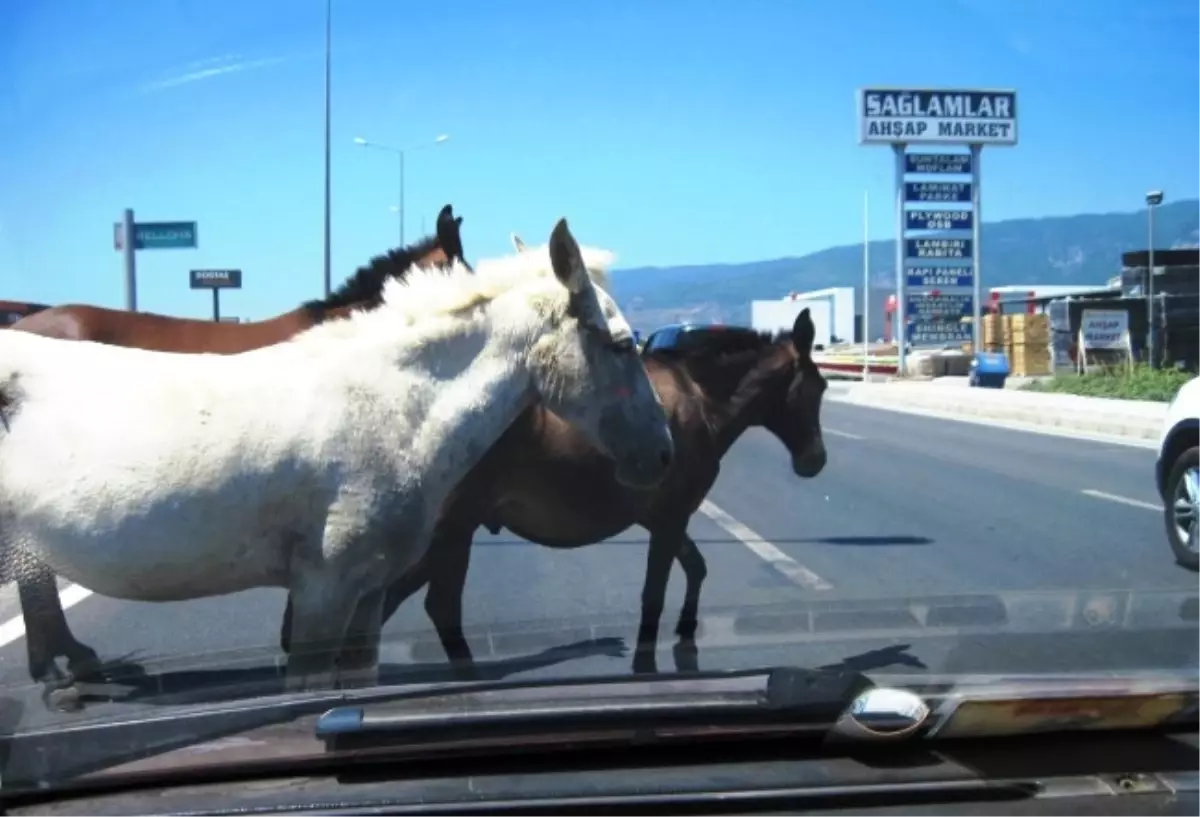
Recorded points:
(925, 545)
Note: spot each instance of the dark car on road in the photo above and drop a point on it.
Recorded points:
(681, 337)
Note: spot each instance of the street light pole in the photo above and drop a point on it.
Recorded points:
(1153, 199)
(328, 53)
(442, 139)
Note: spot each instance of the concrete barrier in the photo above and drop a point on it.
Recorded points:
(1129, 419)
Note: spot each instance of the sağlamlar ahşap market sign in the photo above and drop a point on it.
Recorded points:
(888, 116)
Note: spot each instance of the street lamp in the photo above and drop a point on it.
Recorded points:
(328, 53)
(441, 139)
(1153, 199)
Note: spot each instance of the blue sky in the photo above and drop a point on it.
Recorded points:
(668, 131)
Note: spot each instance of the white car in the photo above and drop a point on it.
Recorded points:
(1177, 472)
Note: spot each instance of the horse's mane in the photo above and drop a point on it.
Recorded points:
(597, 261)
(367, 283)
(423, 293)
(732, 340)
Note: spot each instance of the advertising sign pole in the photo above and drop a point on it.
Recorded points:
(977, 249)
(941, 270)
(899, 318)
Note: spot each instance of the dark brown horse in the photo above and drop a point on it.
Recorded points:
(47, 634)
(545, 483)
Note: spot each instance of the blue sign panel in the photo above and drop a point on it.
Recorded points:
(938, 332)
(935, 277)
(216, 279)
(165, 235)
(939, 192)
(937, 163)
(937, 248)
(939, 219)
(925, 307)
(158, 235)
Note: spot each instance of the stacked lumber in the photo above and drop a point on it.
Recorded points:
(1027, 343)
(1024, 339)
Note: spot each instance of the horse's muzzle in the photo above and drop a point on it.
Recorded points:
(812, 461)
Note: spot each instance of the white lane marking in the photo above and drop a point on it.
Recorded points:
(1123, 500)
(792, 570)
(14, 628)
(845, 434)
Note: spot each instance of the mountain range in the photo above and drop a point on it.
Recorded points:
(1079, 250)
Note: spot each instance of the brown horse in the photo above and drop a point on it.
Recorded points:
(146, 330)
(545, 483)
(47, 633)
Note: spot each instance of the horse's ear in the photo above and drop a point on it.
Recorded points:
(447, 232)
(803, 333)
(567, 259)
(517, 243)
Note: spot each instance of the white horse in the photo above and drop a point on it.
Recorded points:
(318, 464)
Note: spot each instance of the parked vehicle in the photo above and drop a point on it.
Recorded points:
(1177, 473)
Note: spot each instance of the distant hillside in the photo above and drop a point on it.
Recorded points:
(1081, 249)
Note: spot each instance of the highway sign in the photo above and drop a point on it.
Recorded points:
(216, 278)
(158, 235)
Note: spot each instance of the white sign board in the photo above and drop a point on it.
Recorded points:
(1104, 329)
(936, 116)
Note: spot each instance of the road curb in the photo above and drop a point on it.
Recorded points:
(1125, 419)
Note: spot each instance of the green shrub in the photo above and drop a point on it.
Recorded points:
(1140, 383)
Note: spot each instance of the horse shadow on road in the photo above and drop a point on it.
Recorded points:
(169, 687)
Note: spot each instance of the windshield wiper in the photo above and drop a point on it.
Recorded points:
(636, 706)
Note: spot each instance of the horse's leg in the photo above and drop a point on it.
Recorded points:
(323, 604)
(47, 636)
(358, 664)
(285, 629)
(696, 571)
(664, 546)
(448, 559)
(694, 568)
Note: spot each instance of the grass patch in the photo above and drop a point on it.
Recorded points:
(1142, 383)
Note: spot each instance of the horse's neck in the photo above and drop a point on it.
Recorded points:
(734, 401)
(482, 384)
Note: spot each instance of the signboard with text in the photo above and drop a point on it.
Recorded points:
(937, 187)
(939, 163)
(158, 235)
(937, 192)
(1104, 328)
(939, 219)
(937, 248)
(890, 116)
(938, 277)
(215, 279)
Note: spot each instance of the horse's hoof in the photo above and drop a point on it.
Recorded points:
(62, 698)
(466, 672)
(83, 661)
(687, 656)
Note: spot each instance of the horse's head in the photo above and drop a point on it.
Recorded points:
(586, 368)
(793, 388)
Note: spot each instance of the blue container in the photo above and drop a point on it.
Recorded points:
(989, 370)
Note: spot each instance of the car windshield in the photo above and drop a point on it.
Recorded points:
(321, 365)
